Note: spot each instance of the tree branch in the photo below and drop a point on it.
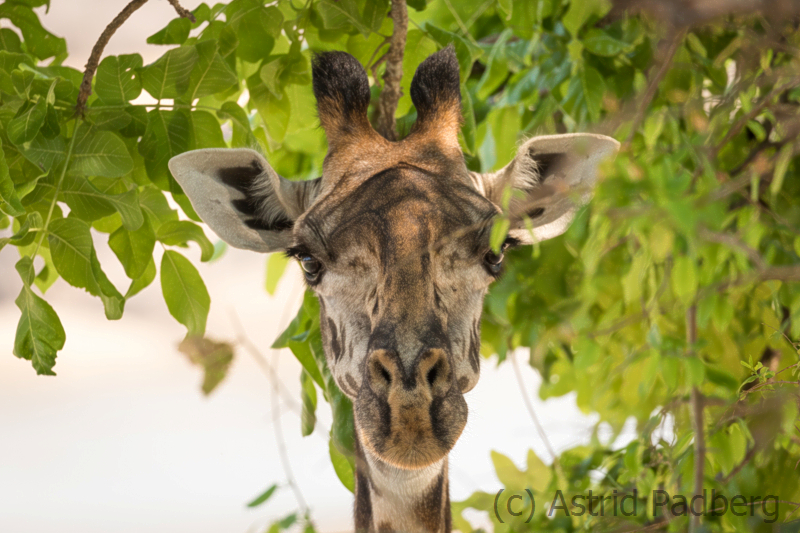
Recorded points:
(390, 95)
(99, 46)
(652, 88)
(697, 418)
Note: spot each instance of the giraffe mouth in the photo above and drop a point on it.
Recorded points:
(410, 433)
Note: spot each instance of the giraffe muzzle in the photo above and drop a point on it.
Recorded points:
(410, 416)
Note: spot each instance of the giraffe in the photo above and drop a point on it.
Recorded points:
(394, 240)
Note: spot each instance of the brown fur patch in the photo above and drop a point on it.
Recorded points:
(429, 509)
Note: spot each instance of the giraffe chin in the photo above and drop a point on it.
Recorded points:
(412, 438)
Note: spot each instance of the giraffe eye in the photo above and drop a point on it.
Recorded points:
(311, 267)
(493, 262)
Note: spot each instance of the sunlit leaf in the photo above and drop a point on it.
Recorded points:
(75, 259)
(117, 80)
(99, 153)
(184, 292)
(168, 76)
(40, 334)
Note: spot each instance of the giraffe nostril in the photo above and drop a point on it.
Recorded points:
(433, 373)
(381, 376)
(387, 377)
(383, 372)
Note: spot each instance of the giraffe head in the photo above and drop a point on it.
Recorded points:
(394, 240)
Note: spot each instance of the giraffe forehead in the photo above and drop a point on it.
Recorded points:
(398, 211)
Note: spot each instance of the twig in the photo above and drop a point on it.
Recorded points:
(262, 362)
(276, 411)
(99, 46)
(754, 112)
(390, 95)
(281, 441)
(182, 11)
(653, 86)
(536, 422)
(697, 418)
(738, 468)
(732, 241)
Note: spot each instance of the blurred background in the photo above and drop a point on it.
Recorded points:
(123, 439)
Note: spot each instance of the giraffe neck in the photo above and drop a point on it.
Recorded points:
(391, 499)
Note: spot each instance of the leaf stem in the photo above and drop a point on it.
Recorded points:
(58, 188)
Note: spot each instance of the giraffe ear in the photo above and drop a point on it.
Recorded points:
(550, 177)
(238, 194)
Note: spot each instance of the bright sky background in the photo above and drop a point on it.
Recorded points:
(123, 440)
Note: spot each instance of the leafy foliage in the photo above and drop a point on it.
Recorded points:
(684, 265)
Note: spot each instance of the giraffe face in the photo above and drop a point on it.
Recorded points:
(394, 240)
(400, 262)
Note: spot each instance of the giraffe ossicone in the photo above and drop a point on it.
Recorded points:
(394, 240)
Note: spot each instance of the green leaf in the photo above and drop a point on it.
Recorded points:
(684, 279)
(206, 131)
(168, 77)
(343, 467)
(338, 14)
(99, 153)
(211, 74)
(600, 43)
(155, 205)
(176, 32)
(75, 259)
(538, 474)
(168, 134)
(276, 266)
(43, 152)
(507, 472)
(134, 249)
(579, 12)
(468, 129)
(593, 89)
(695, 371)
(40, 334)
(142, 281)
(117, 80)
(263, 497)
(781, 166)
(220, 247)
(255, 27)
(24, 127)
(38, 41)
(180, 232)
(8, 194)
(25, 268)
(418, 47)
(308, 394)
(9, 40)
(274, 111)
(32, 222)
(496, 68)
(89, 203)
(242, 134)
(184, 292)
(499, 233)
(466, 52)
